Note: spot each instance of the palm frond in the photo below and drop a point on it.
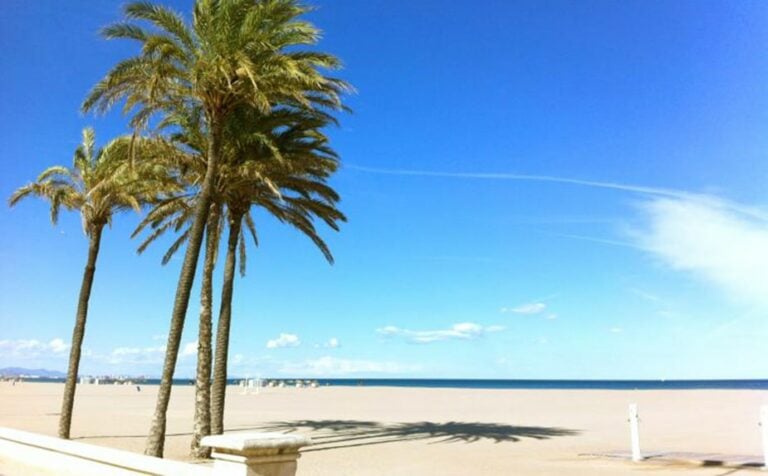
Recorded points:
(163, 18)
(175, 246)
(251, 226)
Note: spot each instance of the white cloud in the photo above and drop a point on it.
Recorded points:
(667, 313)
(190, 349)
(528, 308)
(32, 348)
(284, 340)
(721, 243)
(237, 359)
(57, 345)
(137, 350)
(134, 355)
(615, 330)
(333, 343)
(326, 366)
(551, 316)
(143, 355)
(462, 330)
(160, 337)
(646, 295)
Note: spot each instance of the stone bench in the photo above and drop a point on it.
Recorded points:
(255, 454)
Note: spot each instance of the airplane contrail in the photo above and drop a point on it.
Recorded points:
(753, 212)
(526, 177)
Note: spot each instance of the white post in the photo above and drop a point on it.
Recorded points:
(764, 425)
(258, 385)
(634, 432)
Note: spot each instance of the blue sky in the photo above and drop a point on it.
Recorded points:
(535, 189)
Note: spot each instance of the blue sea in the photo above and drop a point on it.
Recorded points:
(761, 384)
(555, 384)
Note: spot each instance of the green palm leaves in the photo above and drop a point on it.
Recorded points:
(228, 112)
(280, 163)
(235, 52)
(243, 95)
(100, 183)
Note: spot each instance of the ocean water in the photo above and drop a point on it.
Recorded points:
(508, 384)
(555, 384)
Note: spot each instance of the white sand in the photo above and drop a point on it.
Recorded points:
(408, 431)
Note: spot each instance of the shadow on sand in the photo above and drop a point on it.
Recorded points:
(334, 434)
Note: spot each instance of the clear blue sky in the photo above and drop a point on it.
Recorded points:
(448, 273)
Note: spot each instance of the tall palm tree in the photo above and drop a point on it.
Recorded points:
(202, 417)
(306, 163)
(100, 183)
(235, 52)
(261, 156)
(174, 212)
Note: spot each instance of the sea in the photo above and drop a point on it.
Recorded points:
(500, 384)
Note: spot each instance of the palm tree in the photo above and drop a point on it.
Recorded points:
(261, 155)
(306, 163)
(235, 52)
(175, 212)
(100, 183)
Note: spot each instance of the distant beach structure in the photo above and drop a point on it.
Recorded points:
(543, 384)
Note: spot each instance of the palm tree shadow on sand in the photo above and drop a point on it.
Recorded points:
(335, 434)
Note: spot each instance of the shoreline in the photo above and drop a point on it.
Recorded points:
(479, 384)
(405, 431)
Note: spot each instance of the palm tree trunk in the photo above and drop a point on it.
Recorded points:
(65, 420)
(202, 425)
(218, 393)
(156, 438)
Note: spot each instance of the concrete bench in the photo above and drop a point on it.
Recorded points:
(255, 454)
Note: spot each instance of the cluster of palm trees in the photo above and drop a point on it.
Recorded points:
(228, 113)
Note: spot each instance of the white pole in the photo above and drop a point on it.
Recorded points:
(764, 425)
(258, 385)
(634, 432)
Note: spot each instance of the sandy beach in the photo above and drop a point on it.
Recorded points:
(409, 431)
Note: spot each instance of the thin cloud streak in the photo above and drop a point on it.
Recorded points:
(603, 241)
(462, 331)
(527, 308)
(525, 177)
(655, 191)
